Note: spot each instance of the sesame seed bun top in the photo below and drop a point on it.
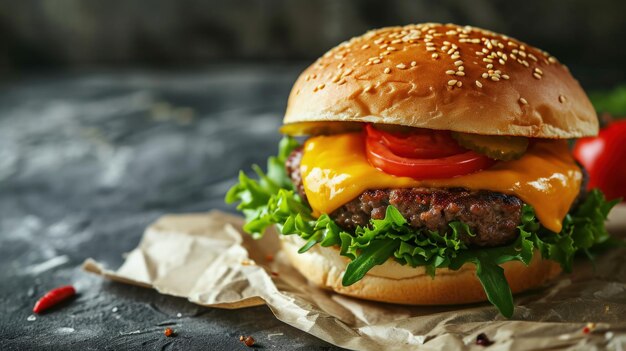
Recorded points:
(444, 77)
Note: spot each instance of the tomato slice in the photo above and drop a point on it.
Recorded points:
(426, 159)
(421, 143)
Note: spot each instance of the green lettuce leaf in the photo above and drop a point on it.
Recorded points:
(271, 200)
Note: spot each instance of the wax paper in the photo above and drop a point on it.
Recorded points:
(207, 259)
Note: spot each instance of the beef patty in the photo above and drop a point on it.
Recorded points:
(492, 217)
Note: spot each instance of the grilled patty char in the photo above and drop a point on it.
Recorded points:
(492, 217)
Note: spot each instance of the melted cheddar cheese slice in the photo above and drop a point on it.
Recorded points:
(335, 170)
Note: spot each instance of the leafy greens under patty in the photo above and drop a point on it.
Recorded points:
(271, 200)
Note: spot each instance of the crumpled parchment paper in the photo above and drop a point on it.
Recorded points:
(206, 259)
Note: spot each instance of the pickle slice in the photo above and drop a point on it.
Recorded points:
(499, 147)
(319, 128)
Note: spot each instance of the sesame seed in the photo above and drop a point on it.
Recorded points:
(495, 78)
(321, 86)
(413, 63)
(501, 61)
(348, 72)
(450, 72)
(552, 59)
(533, 57)
(340, 66)
(401, 66)
(366, 46)
(430, 44)
(435, 55)
(458, 63)
(451, 51)
(562, 98)
(523, 101)
(485, 75)
(461, 68)
(487, 60)
(342, 81)
(387, 70)
(391, 48)
(505, 76)
(335, 79)
(459, 83)
(452, 82)
(538, 70)
(490, 66)
(522, 53)
(460, 73)
(430, 48)
(376, 61)
(368, 88)
(479, 84)
(455, 56)
(537, 75)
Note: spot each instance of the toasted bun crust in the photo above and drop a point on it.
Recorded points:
(444, 77)
(395, 283)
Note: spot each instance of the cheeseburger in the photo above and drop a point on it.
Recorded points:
(435, 169)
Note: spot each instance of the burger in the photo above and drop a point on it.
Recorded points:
(434, 169)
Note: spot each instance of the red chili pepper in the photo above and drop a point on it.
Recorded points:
(169, 332)
(54, 297)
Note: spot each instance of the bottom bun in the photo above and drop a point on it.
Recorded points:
(402, 284)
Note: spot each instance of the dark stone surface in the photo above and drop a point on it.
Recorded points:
(87, 161)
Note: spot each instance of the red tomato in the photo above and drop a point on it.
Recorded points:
(421, 156)
(604, 157)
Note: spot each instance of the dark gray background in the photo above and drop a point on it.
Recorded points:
(114, 112)
(190, 33)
